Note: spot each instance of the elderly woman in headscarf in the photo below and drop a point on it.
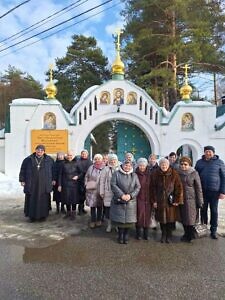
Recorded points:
(193, 198)
(105, 186)
(123, 212)
(167, 194)
(143, 199)
(93, 199)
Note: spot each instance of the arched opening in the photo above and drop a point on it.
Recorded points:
(118, 136)
(185, 150)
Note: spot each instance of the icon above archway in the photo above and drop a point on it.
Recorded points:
(132, 98)
(105, 98)
(118, 96)
(187, 122)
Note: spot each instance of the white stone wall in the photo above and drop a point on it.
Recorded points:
(164, 136)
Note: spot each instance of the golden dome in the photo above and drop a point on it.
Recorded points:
(51, 90)
(118, 65)
(185, 91)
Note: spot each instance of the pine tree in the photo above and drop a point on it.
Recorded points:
(83, 66)
(161, 36)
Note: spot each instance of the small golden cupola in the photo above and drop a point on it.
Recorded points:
(118, 65)
(186, 89)
(51, 89)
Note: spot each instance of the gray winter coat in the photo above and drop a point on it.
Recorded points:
(193, 198)
(105, 185)
(124, 183)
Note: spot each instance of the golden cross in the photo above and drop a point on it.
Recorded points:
(186, 67)
(51, 71)
(118, 33)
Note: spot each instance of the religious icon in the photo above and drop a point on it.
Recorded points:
(132, 98)
(49, 121)
(187, 121)
(118, 98)
(105, 98)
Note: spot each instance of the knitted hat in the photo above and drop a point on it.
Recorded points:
(209, 148)
(186, 159)
(40, 147)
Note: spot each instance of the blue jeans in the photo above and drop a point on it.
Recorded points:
(211, 200)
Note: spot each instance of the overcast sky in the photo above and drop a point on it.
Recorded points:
(35, 59)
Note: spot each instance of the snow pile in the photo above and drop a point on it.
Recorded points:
(10, 188)
(2, 133)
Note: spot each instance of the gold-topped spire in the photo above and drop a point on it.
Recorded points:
(186, 89)
(118, 65)
(51, 89)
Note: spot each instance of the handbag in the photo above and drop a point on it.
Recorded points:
(200, 230)
(91, 185)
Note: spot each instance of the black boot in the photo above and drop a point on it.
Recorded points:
(145, 233)
(169, 233)
(63, 211)
(57, 208)
(120, 235)
(163, 236)
(185, 236)
(138, 233)
(125, 236)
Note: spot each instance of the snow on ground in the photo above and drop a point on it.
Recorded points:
(10, 188)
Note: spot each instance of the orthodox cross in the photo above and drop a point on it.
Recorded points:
(186, 67)
(51, 71)
(118, 34)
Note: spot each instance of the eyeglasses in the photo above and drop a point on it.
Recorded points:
(184, 164)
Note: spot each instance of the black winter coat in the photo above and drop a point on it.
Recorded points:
(70, 193)
(212, 174)
(26, 172)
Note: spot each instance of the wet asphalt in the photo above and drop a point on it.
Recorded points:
(90, 264)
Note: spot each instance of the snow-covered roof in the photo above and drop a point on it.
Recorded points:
(220, 122)
(32, 101)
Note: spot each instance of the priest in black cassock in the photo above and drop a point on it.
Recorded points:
(36, 178)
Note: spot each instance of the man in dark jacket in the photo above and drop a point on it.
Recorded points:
(36, 178)
(82, 166)
(211, 170)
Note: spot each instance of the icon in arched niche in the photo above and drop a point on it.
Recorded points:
(118, 96)
(132, 98)
(105, 98)
(187, 122)
(49, 121)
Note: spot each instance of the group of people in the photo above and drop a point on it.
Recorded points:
(127, 193)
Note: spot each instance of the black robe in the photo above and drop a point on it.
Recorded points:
(38, 185)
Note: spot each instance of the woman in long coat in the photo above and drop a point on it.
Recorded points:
(143, 199)
(167, 194)
(93, 198)
(125, 187)
(193, 197)
(58, 164)
(68, 185)
(105, 186)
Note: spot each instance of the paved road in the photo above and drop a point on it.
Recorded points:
(61, 259)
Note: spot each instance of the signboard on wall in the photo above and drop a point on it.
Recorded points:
(53, 140)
